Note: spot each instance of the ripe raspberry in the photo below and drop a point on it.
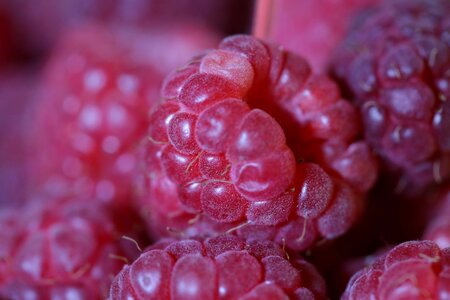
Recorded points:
(99, 89)
(245, 134)
(223, 267)
(68, 250)
(396, 67)
(412, 270)
(439, 228)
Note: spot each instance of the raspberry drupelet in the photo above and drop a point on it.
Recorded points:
(66, 250)
(247, 136)
(224, 267)
(411, 270)
(396, 67)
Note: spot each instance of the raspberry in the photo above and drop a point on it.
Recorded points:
(395, 66)
(246, 135)
(99, 87)
(411, 270)
(68, 249)
(438, 230)
(214, 269)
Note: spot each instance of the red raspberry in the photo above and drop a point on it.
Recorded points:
(395, 65)
(223, 267)
(100, 86)
(412, 270)
(69, 250)
(247, 135)
(439, 228)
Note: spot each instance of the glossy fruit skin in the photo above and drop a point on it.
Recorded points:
(224, 267)
(99, 87)
(67, 248)
(394, 64)
(411, 270)
(247, 135)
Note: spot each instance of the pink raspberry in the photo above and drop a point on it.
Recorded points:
(99, 88)
(224, 267)
(67, 249)
(246, 135)
(395, 66)
(411, 270)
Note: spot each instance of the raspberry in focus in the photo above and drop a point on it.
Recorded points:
(246, 135)
(223, 267)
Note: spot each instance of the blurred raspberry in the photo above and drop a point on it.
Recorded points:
(395, 64)
(68, 249)
(99, 87)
